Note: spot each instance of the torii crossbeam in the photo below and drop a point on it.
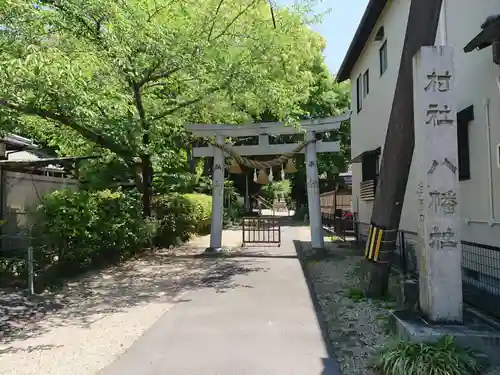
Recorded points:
(263, 130)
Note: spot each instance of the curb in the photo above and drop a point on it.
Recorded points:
(335, 367)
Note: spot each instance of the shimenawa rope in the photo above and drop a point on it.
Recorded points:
(257, 164)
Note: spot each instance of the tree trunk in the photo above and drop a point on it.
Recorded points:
(421, 31)
(147, 182)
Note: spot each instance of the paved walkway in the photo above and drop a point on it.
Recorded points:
(262, 322)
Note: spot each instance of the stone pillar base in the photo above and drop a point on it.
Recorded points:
(214, 250)
(410, 294)
(477, 335)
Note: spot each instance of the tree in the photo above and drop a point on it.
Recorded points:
(399, 142)
(276, 190)
(325, 98)
(126, 75)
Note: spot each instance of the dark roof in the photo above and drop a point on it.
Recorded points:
(366, 25)
(15, 142)
(360, 157)
(490, 32)
(38, 163)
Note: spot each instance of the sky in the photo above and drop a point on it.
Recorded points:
(338, 27)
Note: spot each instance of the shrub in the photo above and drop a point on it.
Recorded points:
(180, 216)
(301, 213)
(84, 229)
(444, 357)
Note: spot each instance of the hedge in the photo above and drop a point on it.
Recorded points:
(76, 231)
(81, 230)
(179, 216)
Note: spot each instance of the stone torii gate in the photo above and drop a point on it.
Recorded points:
(263, 130)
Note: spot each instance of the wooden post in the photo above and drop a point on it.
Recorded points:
(399, 144)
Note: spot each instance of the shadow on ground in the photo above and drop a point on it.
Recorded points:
(160, 277)
(334, 250)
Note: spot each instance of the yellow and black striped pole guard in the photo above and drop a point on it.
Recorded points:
(379, 240)
(373, 243)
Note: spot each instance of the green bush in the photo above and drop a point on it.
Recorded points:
(444, 357)
(179, 216)
(301, 213)
(84, 229)
(233, 214)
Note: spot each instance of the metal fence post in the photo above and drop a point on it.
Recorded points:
(31, 272)
(355, 224)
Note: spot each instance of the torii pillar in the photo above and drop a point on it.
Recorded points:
(217, 197)
(313, 198)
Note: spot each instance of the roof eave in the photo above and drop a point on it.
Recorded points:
(368, 21)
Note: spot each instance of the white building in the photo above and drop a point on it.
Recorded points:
(372, 64)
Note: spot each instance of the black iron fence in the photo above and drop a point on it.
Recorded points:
(481, 276)
(480, 268)
(261, 229)
(342, 226)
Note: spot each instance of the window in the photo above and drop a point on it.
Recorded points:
(370, 167)
(464, 117)
(382, 55)
(498, 155)
(359, 101)
(366, 83)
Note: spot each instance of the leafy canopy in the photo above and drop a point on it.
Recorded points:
(127, 75)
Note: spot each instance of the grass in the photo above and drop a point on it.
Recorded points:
(443, 357)
(356, 294)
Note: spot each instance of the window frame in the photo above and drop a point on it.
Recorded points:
(464, 118)
(382, 57)
(366, 83)
(359, 89)
(498, 155)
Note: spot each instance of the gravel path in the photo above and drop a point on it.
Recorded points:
(356, 326)
(90, 322)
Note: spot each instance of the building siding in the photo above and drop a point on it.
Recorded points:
(369, 126)
(475, 83)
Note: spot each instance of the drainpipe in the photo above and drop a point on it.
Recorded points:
(492, 220)
(443, 27)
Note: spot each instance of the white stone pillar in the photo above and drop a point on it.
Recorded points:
(313, 199)
(217, 197)
(436, 160)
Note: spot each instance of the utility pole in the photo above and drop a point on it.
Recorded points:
(421, 30)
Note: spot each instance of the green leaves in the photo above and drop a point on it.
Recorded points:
(87, 229)
(444, 357)
(127, 75)
(180, 216)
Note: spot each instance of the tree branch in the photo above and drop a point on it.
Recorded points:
(67, 121)
(186, 104)
(93, 29)
(234, 20)
(150, 77)
(138, 104)
(272, 13)
(214, 20)
(156, 12)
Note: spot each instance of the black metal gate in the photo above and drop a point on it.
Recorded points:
(261, 229)
(338, 223)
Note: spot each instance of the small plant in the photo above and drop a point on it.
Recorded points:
(356, 294)
(443, 357)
